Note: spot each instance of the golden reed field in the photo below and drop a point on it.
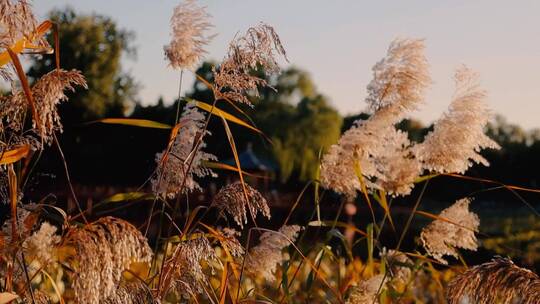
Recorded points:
(50, 255)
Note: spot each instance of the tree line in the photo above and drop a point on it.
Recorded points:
(298, 120)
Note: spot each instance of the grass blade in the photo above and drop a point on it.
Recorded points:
(26, 87)
(128, 196)
(143, 123)
(218, 112)
(6, 297)
(337, 224)
(25, 43)
(222, 166)
(224, 283)
(55, 287)
(14, 155)
(13, 198)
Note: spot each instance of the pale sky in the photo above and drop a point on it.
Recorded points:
(339, 41)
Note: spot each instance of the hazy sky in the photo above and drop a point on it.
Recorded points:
(339, 41)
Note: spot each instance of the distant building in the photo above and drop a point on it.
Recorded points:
(258, 172)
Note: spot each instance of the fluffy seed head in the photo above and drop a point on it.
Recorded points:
(40, 245)
(455, 229)
(458, 137)
(497, 281)
(401, 78)
(378, 151)
(103, 250)
(189, 24)
(172, 171)
(399, 266)
(374, 148)
(48, 92)
(232, 199)
(183, 272)
(230, 242)
(131, 293)
(264, 258)
(256, 50)
(16, 21)
(259, 46)
(367, 291)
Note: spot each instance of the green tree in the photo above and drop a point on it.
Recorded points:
(315, 126)
(299, 121)
(506, 133)
(94, 45)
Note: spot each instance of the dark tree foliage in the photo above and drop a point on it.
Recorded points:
(94, 45)
(299, 122)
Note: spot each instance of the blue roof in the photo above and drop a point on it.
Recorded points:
(249, 161)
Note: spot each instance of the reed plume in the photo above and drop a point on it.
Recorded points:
(458, 137)
(174, 171)
(399, 266)
(232, 199)
(264, 258)
(183, 272)
(17, 20)
(366, 292)
(400, 78)
(382, 156)
(256, 50)
(103, 250)
(11, 236)
(131, 293)
(37, 297)
(48, 92)
(497, 281)
(374, 148)
(230, 242)
(189, 24)
(259, 46)
(41, 244)
(455, 228)
(26, 219)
